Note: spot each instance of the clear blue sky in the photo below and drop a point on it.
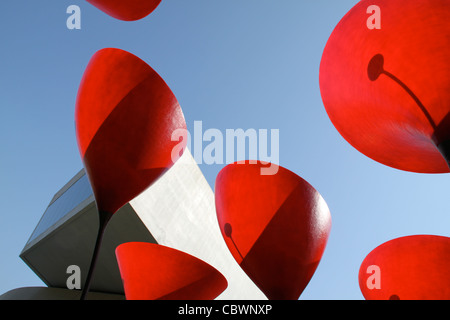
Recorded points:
(231, 64)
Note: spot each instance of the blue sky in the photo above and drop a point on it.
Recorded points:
(231, 64)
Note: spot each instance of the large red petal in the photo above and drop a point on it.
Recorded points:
(276, 226)
(155, 272)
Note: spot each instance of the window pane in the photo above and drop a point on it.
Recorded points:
(77, 193)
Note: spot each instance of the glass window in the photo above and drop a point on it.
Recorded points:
(72, 197)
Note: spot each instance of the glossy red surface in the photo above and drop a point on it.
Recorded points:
(155, 272)
(125, 116)
(410, 268)
(387, 91)
(127, 10)
(276, 226)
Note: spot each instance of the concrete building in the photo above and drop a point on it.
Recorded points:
(177, 211)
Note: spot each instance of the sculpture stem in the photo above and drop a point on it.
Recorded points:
(444, 148)
(104, 218)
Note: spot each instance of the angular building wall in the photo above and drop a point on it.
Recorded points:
(179, 212)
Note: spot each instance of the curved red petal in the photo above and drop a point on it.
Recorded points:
(155, 272)
(129, 10)
(407, 268)
(125, 118)
(387, 90)
(276, 226)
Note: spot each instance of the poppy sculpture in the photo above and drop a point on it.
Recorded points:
(155, 272)
(407, 268)
(129, 10)
(386, 88)
(276, 226)
(125, 116)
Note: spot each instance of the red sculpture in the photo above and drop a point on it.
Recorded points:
(275, 226)
(387, 90)
(408, 268)
(155, 272)
(128, 10)
(125, 116)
